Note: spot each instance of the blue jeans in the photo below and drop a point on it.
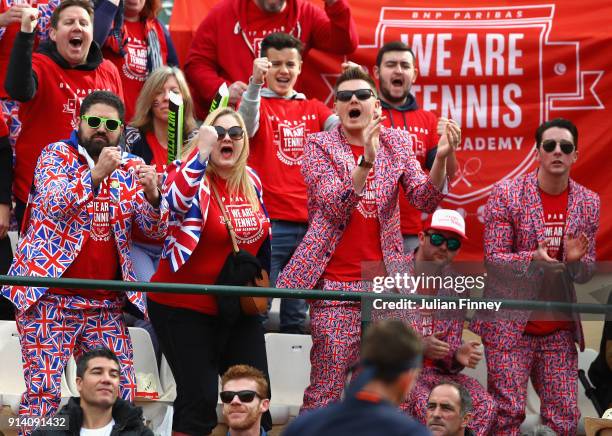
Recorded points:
(286, 236)
(145, 258)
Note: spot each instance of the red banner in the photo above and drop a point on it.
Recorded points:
(500, 71)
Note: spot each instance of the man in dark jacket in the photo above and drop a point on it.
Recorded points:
(391, 358)
(98, 410)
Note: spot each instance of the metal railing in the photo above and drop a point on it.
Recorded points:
(309, 294)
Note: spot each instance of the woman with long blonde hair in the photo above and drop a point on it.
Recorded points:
(211, 181)
(147, 137)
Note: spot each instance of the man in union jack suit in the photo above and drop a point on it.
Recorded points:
(539, 240)
(84, 201)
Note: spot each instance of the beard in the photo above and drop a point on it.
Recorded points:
(95, 143)
(384, 90)
(247, 422)
(272, 8)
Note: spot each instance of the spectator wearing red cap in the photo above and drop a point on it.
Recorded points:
(445, 353)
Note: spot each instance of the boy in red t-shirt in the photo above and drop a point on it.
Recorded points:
(278, 119)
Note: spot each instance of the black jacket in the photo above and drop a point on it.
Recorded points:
(128, 420)
(21, 82)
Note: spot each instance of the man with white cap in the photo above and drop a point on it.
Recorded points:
(445, 355)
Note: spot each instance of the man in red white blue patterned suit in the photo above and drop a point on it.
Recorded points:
(86, 197)
(539, 239)
(353, 174)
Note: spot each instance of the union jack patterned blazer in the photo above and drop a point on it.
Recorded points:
(187, 192)
(327, 165)
(514, 225)
(60, 216)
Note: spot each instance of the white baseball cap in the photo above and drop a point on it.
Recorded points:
(447, 219)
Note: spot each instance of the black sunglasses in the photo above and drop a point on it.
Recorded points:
(234, 132)
(436, 239)
(361, 94)
(94, 122)
(245, 396)
(550, 145)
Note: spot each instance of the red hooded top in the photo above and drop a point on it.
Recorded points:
(226, 42)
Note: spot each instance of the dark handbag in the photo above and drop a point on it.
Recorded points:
(241, 268)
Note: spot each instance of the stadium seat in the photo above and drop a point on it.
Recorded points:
(144, 361)
(156, 410)
(12, 384)
(14, 237)
(289, 367)
(167, 381)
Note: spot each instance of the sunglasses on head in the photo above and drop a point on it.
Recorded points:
(245, 396)
(361, 94)
(234, 132)
(94, 122)
(452, 243)
(550, 145)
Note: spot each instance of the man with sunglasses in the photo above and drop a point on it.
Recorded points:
(445, 353)
(244, 394)
(353, 175)
(539, 239)
(86, 198)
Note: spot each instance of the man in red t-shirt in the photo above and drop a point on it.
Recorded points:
(228, 39)
(10, 22)
(79, 225)
(539, 240)
(353, 175)
(51, 83)
(278, 120)
(396, 71)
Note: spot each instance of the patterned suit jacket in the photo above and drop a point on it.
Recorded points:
(60, 216)
(327, 165)
(188, 194)
(514, 225)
